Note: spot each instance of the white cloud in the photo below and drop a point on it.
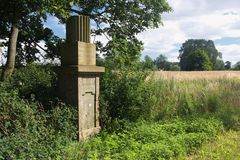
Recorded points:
(232, 52)
(195, 19)
(162, 40)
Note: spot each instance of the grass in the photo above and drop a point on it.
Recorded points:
(224, 147)
(194, 75)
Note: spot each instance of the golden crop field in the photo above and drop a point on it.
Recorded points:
(194, 75)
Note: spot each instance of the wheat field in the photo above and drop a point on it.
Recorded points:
(194, 75)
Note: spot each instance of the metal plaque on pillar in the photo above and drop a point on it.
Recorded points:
(79, 75)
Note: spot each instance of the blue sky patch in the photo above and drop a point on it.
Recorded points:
(228, 40)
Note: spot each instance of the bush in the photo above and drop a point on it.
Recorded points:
(27, 131)
(35, 82)
(124, 97)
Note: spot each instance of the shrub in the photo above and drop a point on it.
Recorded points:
(124, 97)
(35, 82)
(29, 132)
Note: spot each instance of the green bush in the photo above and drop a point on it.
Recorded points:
(27, 131)
(124, 97)
(35, 82)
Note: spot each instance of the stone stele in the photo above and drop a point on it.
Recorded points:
(79, 75)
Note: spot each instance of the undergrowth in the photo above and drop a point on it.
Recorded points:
(28, 130)
(223, 147)
(141, 119)
(144, 140)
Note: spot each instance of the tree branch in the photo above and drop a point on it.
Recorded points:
(98, 26)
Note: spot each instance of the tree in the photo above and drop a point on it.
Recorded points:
(23, 18)
(228, 65)
(174, 66)
(219, 65)
(148, 63)
(198, 60)
(237, 66)
(192, 44)
(161, 62)
(119, 20)
(123, 20)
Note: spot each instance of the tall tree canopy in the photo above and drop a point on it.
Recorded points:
(228, 65)
(148, 63)
(207, 45)
(237, 66)
(198, 60)
(161, 62)
(119, 20)
(22, 28)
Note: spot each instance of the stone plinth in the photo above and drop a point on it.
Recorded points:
(78, 53)
(79, 75)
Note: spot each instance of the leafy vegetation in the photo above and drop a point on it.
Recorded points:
(208, 46)
(163, 140)
(160, 63)
(224, 147)
(27, 129)
(23, 28)
(199, 61)
(164, 119)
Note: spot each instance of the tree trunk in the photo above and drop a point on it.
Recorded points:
(11, 54)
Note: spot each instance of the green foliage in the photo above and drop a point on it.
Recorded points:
(198, 60)
(148, 63)
(237, 66)
(27, 130)
(122, 51)
(30, 23)
(208, 46)
(143, 140)
(122, 27)
(35, 82)
(224, 147)
(219, 65)
(228, 65)
(124, 96)
(28, 16)
(165, 119)
(162, 63)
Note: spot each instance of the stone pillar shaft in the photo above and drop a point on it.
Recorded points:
(78, 29)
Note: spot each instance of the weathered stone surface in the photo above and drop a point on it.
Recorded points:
(78, 29)
(78, 53)
(74, 69)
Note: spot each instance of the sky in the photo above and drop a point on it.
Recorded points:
(217, 20)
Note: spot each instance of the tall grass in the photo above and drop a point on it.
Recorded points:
(173, 98)
(194, 75)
